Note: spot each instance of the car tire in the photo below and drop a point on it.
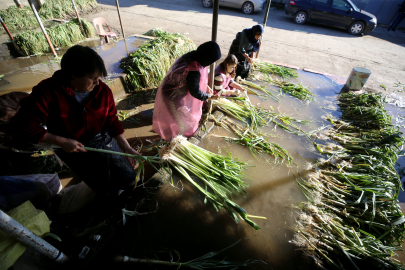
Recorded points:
(356, 28)
(207, 3)
(248, 7)
(300, 17)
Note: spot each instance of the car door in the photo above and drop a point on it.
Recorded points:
(232, 3)
(320, 10)
(341, 14)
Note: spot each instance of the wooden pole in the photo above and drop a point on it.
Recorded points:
(5, 28)
(264, 23)
(119, 15)
(78, 18)
(214, 38)
(42, 28)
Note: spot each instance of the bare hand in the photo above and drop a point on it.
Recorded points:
(70, 146)
(131, 151)
(210, 91)
(250, 60)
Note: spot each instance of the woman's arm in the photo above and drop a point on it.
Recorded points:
(126, 148)
(235, 85)
(193, 84)
(66, 144)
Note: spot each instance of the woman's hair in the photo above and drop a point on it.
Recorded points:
(229, 60)
(78, 61)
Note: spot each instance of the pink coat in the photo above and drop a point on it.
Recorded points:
(225, 79)
(176, 111)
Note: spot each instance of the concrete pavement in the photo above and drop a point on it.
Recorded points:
(312, 46)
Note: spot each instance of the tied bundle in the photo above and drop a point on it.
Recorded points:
(221, 175)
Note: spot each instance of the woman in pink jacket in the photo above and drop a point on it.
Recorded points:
(179, 99)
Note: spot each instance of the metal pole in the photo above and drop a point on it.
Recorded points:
(214, 38)
(19, 3)
(42, 27)
(25, 236)
(119, 15)
(5, 28)
(78, 18)
(264, 23)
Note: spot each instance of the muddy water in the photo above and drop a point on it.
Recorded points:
(22, 74)
(183, 222)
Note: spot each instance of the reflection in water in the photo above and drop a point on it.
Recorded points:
(183, 222)
(25, 73)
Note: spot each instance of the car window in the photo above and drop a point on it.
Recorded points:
(353, 5)
(320, 2)
(341, 5)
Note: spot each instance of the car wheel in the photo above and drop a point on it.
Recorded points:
(356, 28)
(300, 17)
(207, 3)
(248, 8)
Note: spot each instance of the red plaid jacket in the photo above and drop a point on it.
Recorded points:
(52, 103)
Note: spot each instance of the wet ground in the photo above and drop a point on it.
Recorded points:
(21, 74)
(184, 223)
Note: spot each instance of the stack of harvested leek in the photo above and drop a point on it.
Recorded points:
(258, 87)
(61, 36)
(147, 66)
(268, 68)
(296, 90)
(221, 175)
(255, 142)
(23, 18)
(353, 209)
(241, 109)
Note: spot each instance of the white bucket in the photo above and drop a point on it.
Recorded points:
(358, 78)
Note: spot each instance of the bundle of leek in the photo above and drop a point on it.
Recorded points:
(258, 87)
(268, 68)
(282, 120)
(365, 99)
(358, 186)
(221, 175)
(147, 66)
(296, 90)
(241, 109)
(256, 142)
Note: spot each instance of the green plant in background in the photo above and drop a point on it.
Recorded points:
(23, 18)
(353, 209)
(64, 35)
(147, 66)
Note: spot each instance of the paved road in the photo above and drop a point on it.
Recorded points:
(311, 46)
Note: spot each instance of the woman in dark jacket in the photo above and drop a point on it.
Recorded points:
(72, 109)
(243, 46)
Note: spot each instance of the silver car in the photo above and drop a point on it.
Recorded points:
(247, 6)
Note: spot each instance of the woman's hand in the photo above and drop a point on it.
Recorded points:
(70, 146)
(131, 151)
(210, 91)
(250, 60)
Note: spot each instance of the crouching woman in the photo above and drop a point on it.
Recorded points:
(73, 109)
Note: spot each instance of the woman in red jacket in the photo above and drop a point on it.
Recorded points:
(72, 109)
